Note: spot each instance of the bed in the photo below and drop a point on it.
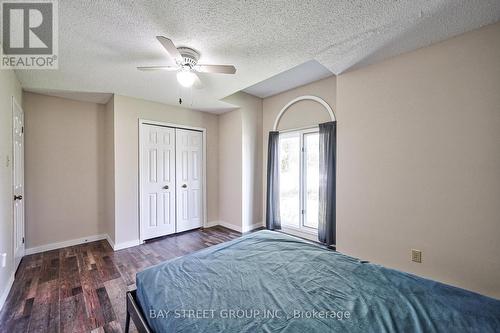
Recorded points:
(271, 282)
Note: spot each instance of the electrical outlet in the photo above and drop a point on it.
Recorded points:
(416, 255)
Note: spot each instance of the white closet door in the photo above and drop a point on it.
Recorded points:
(18, 182)
(189, 180)
(157, 181)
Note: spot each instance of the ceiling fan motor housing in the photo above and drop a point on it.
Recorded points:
(189, 56)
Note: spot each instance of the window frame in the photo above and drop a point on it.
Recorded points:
(302, 133)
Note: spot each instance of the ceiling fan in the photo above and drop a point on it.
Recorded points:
(185, 62)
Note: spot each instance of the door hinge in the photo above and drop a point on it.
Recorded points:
(22, 129)
(302, 211)
(23, 240)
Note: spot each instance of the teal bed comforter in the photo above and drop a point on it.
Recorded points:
(270, 282)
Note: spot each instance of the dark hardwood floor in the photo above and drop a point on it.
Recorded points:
(82, 288)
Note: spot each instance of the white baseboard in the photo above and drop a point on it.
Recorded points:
(252, 227)
(124, 245)
(58, 245)
(5, 293)
(239, 228)
(110, 241)
(210, 224)
(230, 226)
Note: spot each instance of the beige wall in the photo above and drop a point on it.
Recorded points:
(127, 112)
(419, 161)
(240, 163)
(251, 147)
(64, 169)
(300, 114)
(9, 87)
(108, 185)
(230, 169)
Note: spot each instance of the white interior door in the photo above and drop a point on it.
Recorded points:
(157, 181)
(189, 174)
(18, 181)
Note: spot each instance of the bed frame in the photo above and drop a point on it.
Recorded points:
(134, 311)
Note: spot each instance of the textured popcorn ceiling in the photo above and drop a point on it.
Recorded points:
(101, 42)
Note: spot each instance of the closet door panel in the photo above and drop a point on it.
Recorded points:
(189, 150)
(157, 179)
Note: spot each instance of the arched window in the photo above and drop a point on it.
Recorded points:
(303, 98)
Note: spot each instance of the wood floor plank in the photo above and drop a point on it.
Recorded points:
(106, 307)
(112, 327)
(20, 325)
(107, 268)
(82, 288)
(92, 304)
(50, 266)
(116, 289)
(45, 315)
(34, 280)
(69, 277)
(73, 314)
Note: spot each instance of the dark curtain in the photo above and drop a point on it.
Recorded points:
(327, 182)
(273, 183)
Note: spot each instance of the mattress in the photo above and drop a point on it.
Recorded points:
(271, 282)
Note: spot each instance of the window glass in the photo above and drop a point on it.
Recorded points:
(311, 179)
(299, 179)
(289, 156)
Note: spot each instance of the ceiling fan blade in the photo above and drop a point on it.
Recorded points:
(158, 68)
(197, 82)
(222, 69)
(170, 47)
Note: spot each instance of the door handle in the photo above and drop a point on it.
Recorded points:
(184, 186)
(18, 197)
(165, 187)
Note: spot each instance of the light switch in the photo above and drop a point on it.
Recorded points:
(3, 259)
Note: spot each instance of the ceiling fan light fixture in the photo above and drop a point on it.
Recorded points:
(184, 60)
(186, 78)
